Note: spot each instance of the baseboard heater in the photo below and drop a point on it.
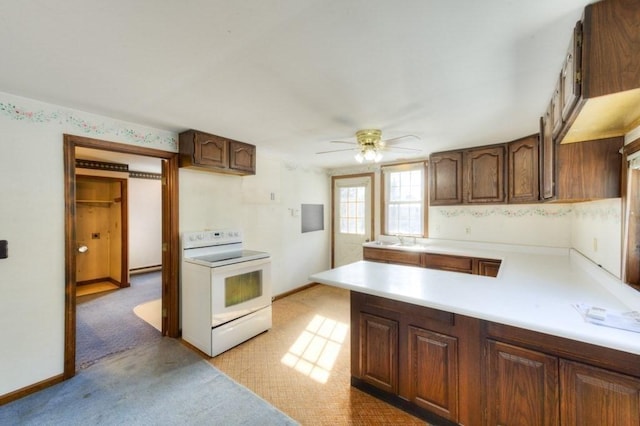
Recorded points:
(145, 269)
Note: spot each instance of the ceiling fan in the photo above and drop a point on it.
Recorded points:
(369, 145)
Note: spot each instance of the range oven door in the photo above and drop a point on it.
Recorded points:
(239, 289)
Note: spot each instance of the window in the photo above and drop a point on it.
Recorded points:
(352, 210)
(404, 199)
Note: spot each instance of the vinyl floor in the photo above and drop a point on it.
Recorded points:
(302, 365)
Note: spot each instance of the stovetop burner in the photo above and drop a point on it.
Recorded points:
(227, 258)
(217, 248)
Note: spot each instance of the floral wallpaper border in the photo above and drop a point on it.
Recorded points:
(512, 212)
(85, 126)
(604, 213)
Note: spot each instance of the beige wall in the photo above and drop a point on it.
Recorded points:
(145, 223)
(32, 281)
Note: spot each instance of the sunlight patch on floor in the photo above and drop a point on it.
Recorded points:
(316, 349)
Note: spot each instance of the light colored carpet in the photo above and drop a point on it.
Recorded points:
(106, 323)
(150, 312)
(161, 383)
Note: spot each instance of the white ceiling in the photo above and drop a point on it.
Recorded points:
(291, 75)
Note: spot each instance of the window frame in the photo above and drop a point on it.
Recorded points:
(384, 191)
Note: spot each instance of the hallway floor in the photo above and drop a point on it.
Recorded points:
(302, 365)
(106, 323)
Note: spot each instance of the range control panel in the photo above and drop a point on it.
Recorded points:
(211, 238)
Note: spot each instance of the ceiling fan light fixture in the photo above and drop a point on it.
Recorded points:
(369, 145)
(370, 154)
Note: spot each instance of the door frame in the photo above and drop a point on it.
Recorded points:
(628, 243)
(170, 237)
(372, 176)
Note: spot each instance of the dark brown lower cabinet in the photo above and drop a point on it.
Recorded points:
(446, 262)
(443, 262)
(488, 267)
(594, 396)
(522, 386)
(452, 369)
(433, 372)
(379, 352)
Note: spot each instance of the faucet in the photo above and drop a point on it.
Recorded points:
(402, 238)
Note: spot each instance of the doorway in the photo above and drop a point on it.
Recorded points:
(631, 203)
(352, 217)
(102, 232)
(632, 258)
(170, 238)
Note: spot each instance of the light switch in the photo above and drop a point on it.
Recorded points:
(4, 249)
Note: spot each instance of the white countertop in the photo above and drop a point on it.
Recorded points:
(535, 289)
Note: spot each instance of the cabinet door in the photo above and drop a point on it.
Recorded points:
(242, 156)
(433, 372)
(446, 178)
(522, 387)
(547, 158)
(446, 262)
(593, 396)
(488, 267)
(392, 256)
(523, 170)
(484, 180)
(379, 352)
(556, 110)
(570, 76)
(210, 150)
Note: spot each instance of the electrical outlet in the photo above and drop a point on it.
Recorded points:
(467, 230)
(595, 244)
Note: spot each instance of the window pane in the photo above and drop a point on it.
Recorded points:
(405, 200)
(352, 210)
(343, 226)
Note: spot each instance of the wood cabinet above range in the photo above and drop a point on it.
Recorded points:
(209, 152)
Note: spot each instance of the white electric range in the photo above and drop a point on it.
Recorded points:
(226, 290)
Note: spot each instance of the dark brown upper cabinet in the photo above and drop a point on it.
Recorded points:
(209, 152)
(556, 111)
(600, 77)
(242, 157)
(522, 164)
(589, 170)
(488, 174)
(484, 170)
(571, 74)
(445, 184)
(547, 158)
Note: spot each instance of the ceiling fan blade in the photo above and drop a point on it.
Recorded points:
(336, 150)
(397, 140)
(402, 149)
(349, 143)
